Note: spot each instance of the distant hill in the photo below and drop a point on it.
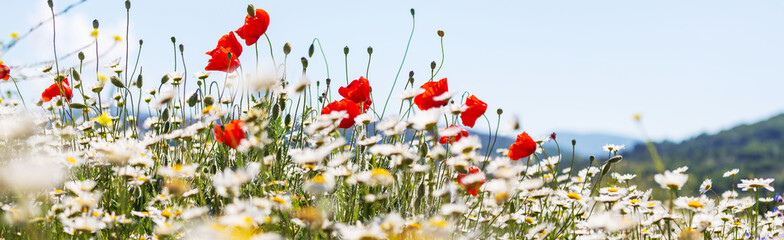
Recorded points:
(587, 144)
(756, 149)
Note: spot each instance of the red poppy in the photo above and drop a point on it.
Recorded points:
(346, 105)
(475, 109)
(254, 27)
(219, 60)
(452, 139)
(231, 134)
(358, 91)
(5, 72)
(523, 147)
(56, 89)
(471, 188)
(432, 89)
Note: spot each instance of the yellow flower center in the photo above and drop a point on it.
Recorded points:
(529, 220)
(380, 172)
(318, 179)
(612, 190)
(574, 196)
(695, 204)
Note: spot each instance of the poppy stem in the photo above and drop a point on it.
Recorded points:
(442, 60)
(391, 89)
(19, 92)
(272, 55)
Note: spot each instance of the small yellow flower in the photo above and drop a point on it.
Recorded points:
(104, 120)
(15, 35)
(636, 116)
(94, 33)
(117, 38)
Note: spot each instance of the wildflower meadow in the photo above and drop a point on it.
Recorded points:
(225, 149)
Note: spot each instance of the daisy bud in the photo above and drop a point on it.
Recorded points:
(412, 12)
(81, 56)
(433, 65)
(370, 50)
(440, 33)
(95, 24)
(251, 10)
(287, 48)
(500, 111)
(311, 49)
(173, 39)
(127, 4)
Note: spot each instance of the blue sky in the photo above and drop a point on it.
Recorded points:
(576, 66)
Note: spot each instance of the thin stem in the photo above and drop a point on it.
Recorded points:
(391, 89)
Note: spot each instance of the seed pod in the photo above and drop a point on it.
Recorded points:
(412, 12)
(499, 111)
(127, 4)
(345, 50)
(432, 65)
(370, 50)
(440, 33)
(81, 56)
(95, 24)
(251, 10)
(173, 39)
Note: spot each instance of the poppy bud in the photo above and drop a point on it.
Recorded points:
(95, 24)
(345, 50)
(591, 158)
(141, 42)
(304, 63)
(127, 4)
(615, 159)
(139, 81)
(433, 65)
(182, 48)
(574, 142)
(500, 111)
(287, 48)
(117, 82)
(606, 168)
(552, 136)
(165, 115)
(75, 75)
(411, 74)
(328, 81)
(251, 10)
(193, 99)
(311, 49)
(412, 12)
(370, 50)
(440, 33)
(173, 39)
(287, 120)
(77, 106)
(208, 100)
(81, 56)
